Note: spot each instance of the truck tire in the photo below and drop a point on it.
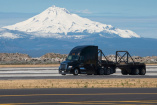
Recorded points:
(124, 72)
(101, 71)
(135, 71)
(142, 71)
(111, 70)
(107, 71)
(76, 71)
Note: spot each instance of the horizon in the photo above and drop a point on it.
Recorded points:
(121, 14)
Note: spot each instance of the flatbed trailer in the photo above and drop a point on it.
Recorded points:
(129, 67)
(88, 60)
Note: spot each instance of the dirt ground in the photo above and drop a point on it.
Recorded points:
(79, 83)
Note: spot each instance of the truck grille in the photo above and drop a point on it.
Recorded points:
(63, 66)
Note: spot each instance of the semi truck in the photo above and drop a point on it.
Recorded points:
(88, 59)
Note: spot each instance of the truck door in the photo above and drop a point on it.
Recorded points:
(89, 64)
(90, 58)
(85, 65)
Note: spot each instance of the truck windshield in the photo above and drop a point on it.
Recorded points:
(72, 57)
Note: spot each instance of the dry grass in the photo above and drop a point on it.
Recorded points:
(79, 83)
(47, 65)
(151, 64)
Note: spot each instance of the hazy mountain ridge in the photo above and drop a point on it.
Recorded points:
(39, 46)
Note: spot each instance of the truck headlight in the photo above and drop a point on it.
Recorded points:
(69, 67)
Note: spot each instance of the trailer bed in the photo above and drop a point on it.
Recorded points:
(127, 67)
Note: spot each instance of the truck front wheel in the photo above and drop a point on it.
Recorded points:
(76, 71)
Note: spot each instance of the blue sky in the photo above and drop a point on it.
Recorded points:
(139, 16)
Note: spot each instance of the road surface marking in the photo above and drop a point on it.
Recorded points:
(24, 95)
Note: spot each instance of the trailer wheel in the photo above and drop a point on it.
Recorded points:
(76, 71)
(124, 72)
(107, 71)
(136, 71)
(101, 71)
(142, 71)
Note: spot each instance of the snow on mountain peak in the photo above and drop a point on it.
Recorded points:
(56, 10)
(59, 22)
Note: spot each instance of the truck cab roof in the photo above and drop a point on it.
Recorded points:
(78, 49)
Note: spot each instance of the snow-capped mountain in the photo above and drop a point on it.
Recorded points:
(58, 22)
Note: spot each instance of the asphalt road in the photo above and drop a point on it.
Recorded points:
(52, 73)
(79, 96)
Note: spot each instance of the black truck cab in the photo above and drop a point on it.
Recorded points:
(81, 60)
